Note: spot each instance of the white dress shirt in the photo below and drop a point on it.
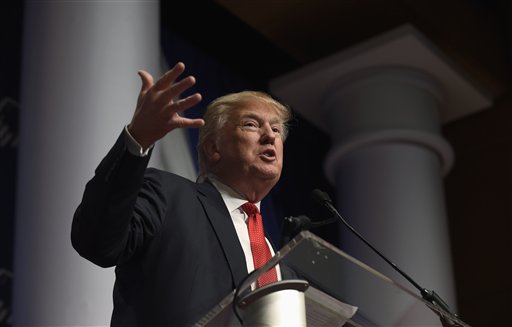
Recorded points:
(234, 201)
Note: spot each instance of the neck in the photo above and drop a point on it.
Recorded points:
(253, 191)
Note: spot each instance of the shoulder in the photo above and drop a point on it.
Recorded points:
(157, 180)
(155, 173)
(160, 179)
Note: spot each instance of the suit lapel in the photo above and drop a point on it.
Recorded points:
(220, 219)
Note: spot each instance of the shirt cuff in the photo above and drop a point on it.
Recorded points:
(134, 147)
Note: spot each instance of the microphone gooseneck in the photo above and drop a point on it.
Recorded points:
(325, 200)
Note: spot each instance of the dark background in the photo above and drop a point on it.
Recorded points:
(256, 41)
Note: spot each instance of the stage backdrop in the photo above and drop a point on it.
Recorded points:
(10, 38)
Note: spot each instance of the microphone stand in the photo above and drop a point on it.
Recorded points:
(429, 295)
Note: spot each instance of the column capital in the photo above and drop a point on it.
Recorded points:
(402, 75)
(305, 88)
(384, 105)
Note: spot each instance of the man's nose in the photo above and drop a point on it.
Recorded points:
(268, 134)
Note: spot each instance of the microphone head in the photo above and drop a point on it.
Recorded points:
(296, 224)
(320, 197)
(292, 226)
(303, 222)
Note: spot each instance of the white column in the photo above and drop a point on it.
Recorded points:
(387, 162)
(79, 88)
(382, 102)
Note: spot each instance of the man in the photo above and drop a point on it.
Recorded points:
(180, 247)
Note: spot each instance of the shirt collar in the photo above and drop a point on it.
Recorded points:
(232, 198)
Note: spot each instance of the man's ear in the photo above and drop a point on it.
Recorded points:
(211, 151)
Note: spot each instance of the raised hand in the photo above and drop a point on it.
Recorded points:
(158, 108)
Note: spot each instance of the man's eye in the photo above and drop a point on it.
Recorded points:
(276, 129)
(250, 125)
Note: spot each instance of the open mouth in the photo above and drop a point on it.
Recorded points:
(269, 154)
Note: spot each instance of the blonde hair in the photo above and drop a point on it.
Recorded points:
(219, 110)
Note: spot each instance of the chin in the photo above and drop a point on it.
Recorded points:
(268, 173)
(271, 175)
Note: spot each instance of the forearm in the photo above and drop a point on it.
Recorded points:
(101, 224)
(111, 224)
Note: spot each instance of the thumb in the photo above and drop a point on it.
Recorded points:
(147, 81)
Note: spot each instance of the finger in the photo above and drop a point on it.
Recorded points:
(184, 104)
(147, 81)
(189, 123)
(170, 76)
(176, 90)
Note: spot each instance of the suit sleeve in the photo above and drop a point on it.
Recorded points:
(108, 227)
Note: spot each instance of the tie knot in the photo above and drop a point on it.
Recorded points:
(250, 208)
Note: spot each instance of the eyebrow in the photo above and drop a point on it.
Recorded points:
(276, 120)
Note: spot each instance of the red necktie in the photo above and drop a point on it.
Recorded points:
(259, 247)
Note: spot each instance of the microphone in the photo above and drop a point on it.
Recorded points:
(325, 200)
(292, 226)
(298, 223)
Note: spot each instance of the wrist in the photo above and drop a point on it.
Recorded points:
(134, 147)
(135, 135)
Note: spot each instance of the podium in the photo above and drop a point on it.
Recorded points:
(319, 297)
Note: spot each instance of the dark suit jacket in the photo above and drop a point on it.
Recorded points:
(172, 241)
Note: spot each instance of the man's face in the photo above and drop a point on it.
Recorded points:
(250, 145)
